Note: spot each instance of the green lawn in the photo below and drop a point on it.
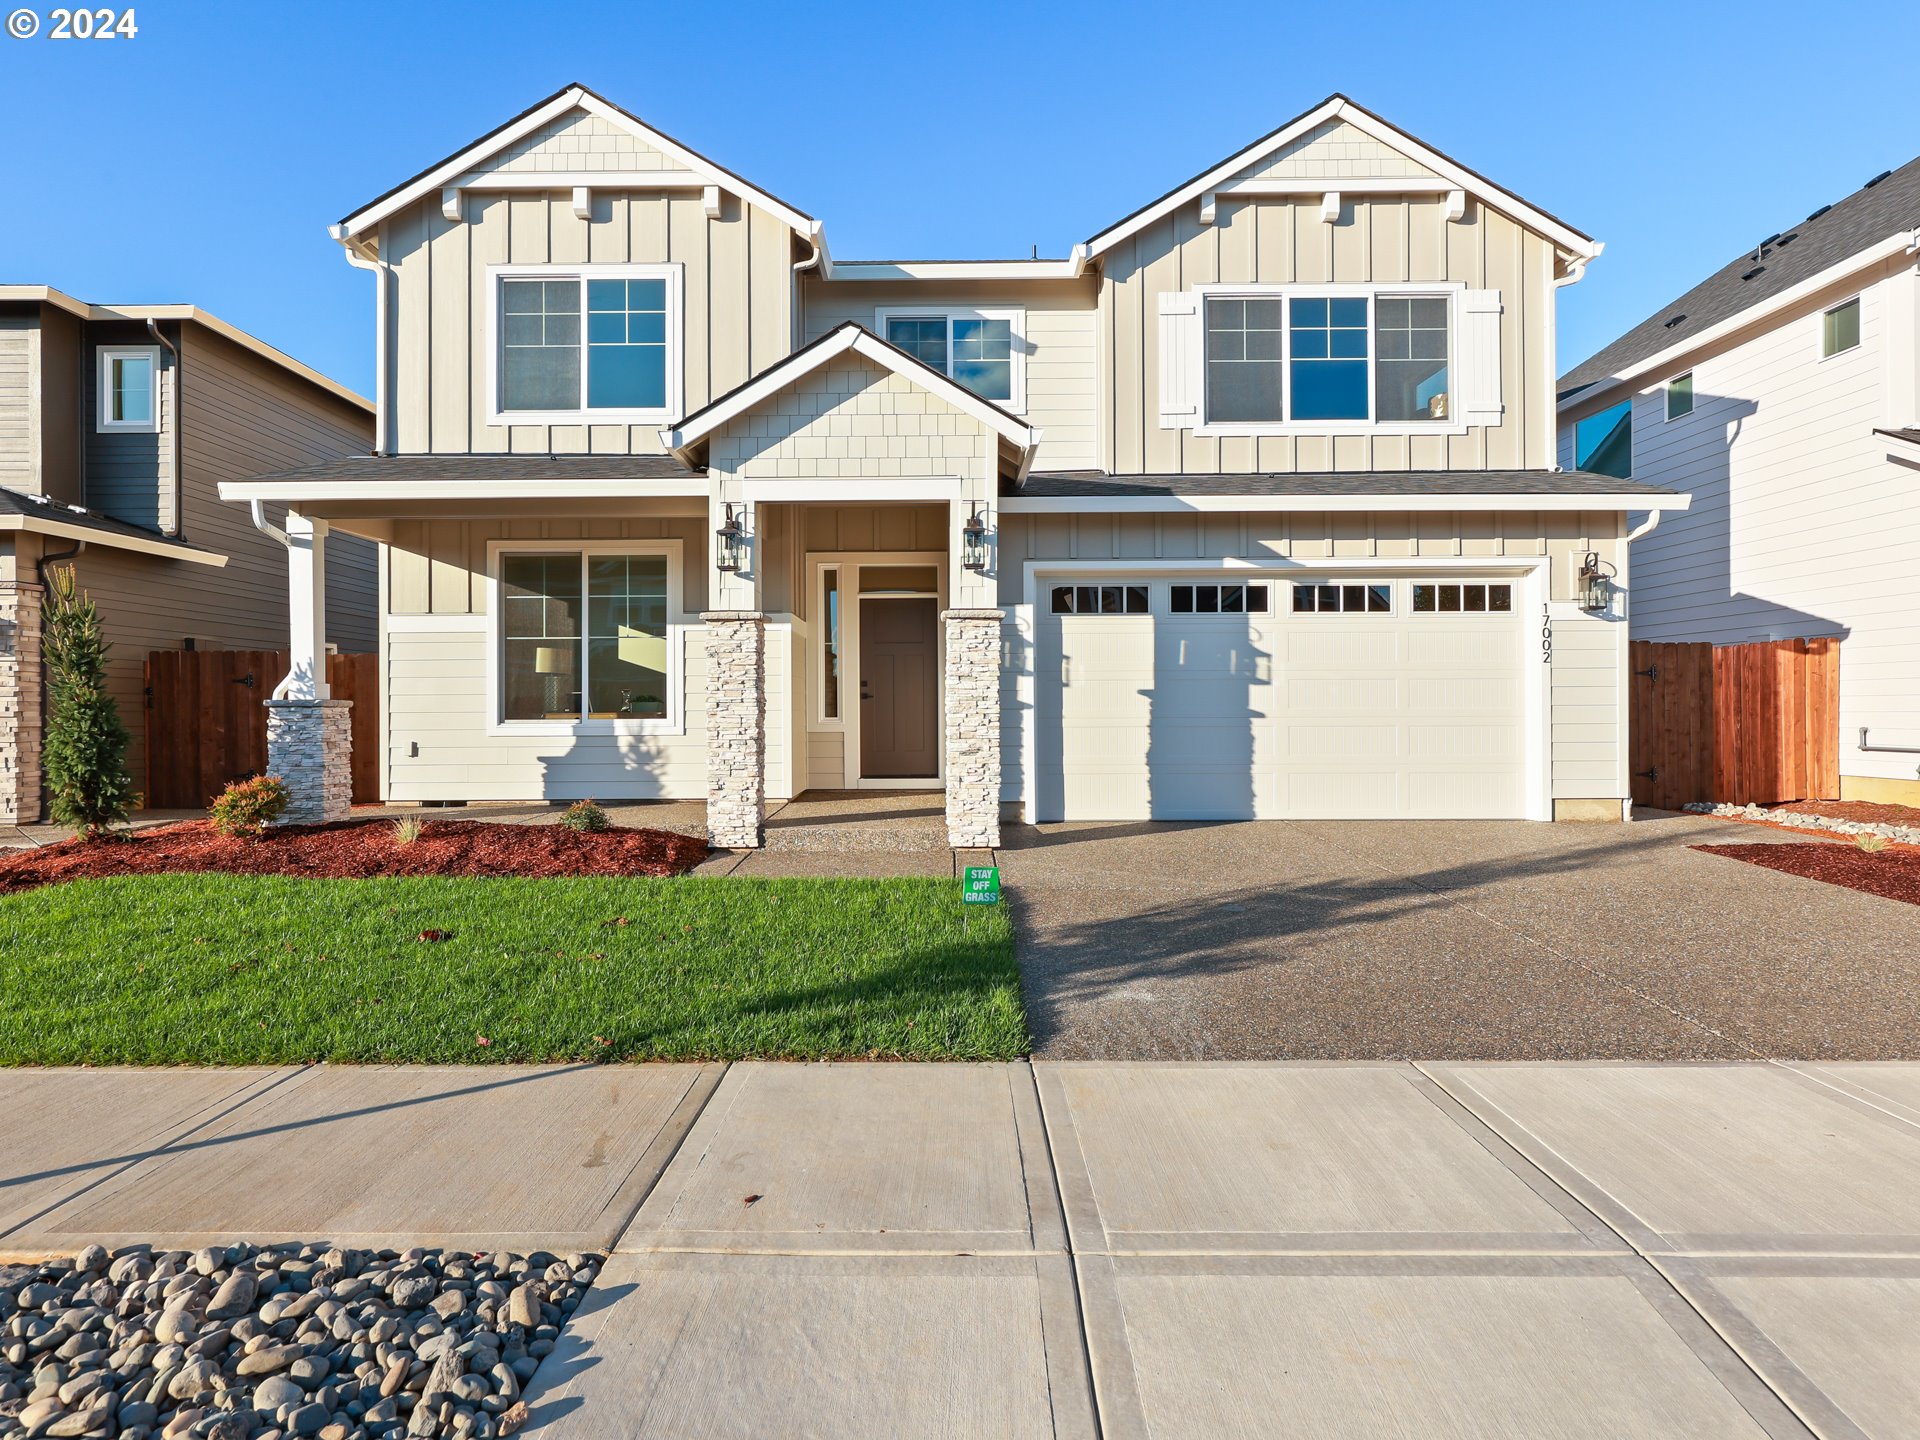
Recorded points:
(222, 969)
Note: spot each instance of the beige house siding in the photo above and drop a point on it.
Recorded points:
(737, 304)
(1061, 335)
(1336, 150)
(19, 415)
(1282, 241)
(577, 142)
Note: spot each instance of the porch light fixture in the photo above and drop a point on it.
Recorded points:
(1596, 583)
(973, 535)
(726, 542)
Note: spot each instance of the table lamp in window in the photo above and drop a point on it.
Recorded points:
(554, 665)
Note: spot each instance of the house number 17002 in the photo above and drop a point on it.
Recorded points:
(1546, 635)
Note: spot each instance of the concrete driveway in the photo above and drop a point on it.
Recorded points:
(1449, 940)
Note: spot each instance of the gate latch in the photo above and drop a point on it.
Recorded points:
(1653, 774)
(1652, 672)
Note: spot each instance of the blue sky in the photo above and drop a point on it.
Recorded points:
(202, 159)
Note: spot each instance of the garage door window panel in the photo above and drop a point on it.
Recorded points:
(1099, 600)
(1344, 597)
(1224, 599)
(1463, 598)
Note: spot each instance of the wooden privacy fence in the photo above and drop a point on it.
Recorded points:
(207, 723)
(1744, 724)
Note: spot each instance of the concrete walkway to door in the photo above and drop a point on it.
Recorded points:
(1457, 940)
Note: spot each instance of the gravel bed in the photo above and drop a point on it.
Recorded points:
(247, 1342)
(1905, 834)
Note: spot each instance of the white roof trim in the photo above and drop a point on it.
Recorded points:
(683, 437)
(113, 540)
(572, 98)
(295, 491)
(1905, 242)
(1151, 504)
(1339, 108)
(1071, 268)
(46, 294)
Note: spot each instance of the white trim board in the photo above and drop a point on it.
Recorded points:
(1071, 268)
(295, 491)
(113, 540)
(1361, 501)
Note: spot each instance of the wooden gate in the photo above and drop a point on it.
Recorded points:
(207, 723)
(1745, 724)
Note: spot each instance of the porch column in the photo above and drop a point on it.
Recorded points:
(19, 702)
(309, 733)
(972, 724)
(736, 728)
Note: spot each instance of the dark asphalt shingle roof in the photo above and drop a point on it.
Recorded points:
(489, 469)
(1093, 484)
(38, 507)
(1799, 252)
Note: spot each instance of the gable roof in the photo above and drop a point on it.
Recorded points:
(1338, 107)
(571, 97)
(848, 335)
(1783, 263)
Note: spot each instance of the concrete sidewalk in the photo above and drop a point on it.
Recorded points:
(1077, 1249)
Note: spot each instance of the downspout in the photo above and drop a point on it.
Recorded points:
(272, 532)
(817, 238)
(358, 257)
(178, 528)
(1645, 527)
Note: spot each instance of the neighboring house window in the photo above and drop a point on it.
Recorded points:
(1218, 599)
(1462, 599)
(1840, 328)
(1603, 442)
(599, 342)
(1099, 599)
(1680, 396)
(585, 634)
(130, 388)
(1321, 599)
(980, 349)
(1376, 358)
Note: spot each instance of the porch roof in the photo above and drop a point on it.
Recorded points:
(39, 515)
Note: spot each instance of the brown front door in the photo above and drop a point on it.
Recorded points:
(899, 733)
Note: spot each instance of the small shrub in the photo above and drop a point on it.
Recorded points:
(247, 807)
(585, 817)
(1872, 844)
(407, 829)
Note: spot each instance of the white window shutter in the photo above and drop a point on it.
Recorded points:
(1181, 379)
(1478, 385)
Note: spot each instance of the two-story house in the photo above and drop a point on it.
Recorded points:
(117, 423)
(1783, 392)
(1244, 508)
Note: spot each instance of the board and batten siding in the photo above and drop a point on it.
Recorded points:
(1587, 697)
(1061, 335)
(1803, 522)
(1284, 241)
(737, 305)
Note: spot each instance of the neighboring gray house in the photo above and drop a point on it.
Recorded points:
(1783, 392)
(1244, 508)
(117, 425)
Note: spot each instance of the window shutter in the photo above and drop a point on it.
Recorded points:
(1180, 373)
(1480, 400)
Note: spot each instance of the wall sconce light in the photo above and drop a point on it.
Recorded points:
(726, 542)
(1595, 583)
(973, 536)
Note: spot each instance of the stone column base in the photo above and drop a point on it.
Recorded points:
(736, 728)
(310, 749)
(972, 726)
(20, 782)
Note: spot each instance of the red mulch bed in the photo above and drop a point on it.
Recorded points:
(1865, 811)
(1893, 874)
(360, 849)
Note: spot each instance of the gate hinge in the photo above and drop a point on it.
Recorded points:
(1652, 672)
(1653, 774)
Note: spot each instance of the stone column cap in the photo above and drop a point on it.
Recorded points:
(995, 615)
(331, 702)
(752, 615)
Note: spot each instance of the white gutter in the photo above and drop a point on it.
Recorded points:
(1645, 527)
(294, 492)
(357, 257)
(1166, 504)
(113, 540)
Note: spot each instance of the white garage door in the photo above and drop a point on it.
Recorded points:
(1197, 698)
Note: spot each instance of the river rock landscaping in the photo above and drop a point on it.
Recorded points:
(246, 1342)
(360, 849)
(1840, 817)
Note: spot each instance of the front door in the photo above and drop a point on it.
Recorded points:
(899, 726)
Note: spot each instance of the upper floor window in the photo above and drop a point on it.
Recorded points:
(1680, 396)
(1304, 358)
(980, 349)
(1603, 441)
(130, 388)
(1840, 328)
(597, 342)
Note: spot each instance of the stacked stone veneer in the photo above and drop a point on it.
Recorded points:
(736, 728)
(973, 728)
(19, 702)
(310, 748)
(853, 418)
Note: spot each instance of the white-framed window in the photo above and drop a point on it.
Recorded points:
(1099, 600)
(1217, 598)
(130, 388)
(587, 635)
(585, 344)
(1471, 597)
(984, 350)
(1840, 329)
(1680, 396)
(1312, 359)
(1342, 597)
